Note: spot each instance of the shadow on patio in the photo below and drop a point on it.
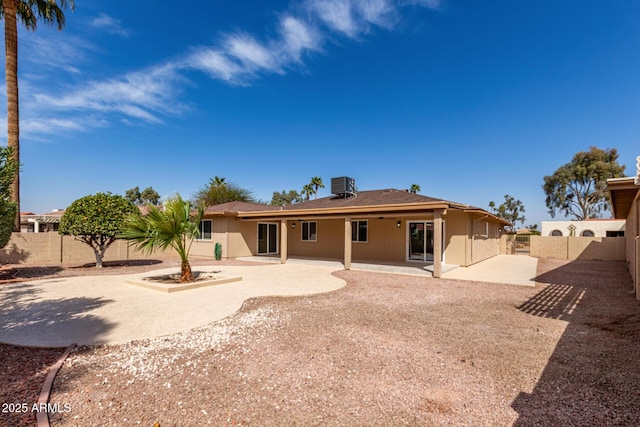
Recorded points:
(28, 319)
(592, 377)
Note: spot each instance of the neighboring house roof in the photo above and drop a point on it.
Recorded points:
(49, 217)
(524, 231)
(622, 192)
(364, 202)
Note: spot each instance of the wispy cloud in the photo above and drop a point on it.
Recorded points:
(145, 95)
(110, 24)
(153, 94)
(53, 52)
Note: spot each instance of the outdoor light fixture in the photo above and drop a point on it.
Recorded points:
(399, 224)
(293, 225)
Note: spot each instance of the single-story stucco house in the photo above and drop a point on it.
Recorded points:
(593, 227)
(380, 226)
(42, 223)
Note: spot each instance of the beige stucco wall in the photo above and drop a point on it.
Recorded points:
(238, 239)
(456, 240)
(482, 246)
(587, 248)
(632, 247)
(385, 242)
(329, 243)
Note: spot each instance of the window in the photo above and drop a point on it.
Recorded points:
(556, 233)
(486, 228)
(358, 231)
(615, 233)
(309, 231)
(206, 229)
(587, 233)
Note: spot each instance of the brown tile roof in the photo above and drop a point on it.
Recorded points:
(365, 198)
(240, 207)
(376, 199)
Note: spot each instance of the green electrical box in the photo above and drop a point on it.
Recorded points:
(218, 251)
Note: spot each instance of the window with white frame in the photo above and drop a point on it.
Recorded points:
(206, 229)
(486, 228)
(309, 231)
(359, 231)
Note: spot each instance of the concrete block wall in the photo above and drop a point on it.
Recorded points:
(585, 248)
(52, 248)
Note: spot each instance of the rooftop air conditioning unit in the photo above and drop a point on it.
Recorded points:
(343, 186)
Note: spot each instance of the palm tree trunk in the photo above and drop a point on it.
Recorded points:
(186, 275)
(13, 117)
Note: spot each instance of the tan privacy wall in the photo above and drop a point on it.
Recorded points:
(633, 243)
(586, 248)
(52, 248)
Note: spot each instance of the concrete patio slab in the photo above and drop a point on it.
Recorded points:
(507, 269)
(105, 309)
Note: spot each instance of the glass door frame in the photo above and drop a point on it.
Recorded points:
(426, 256)
(272, 232)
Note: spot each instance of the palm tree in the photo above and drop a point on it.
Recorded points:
(414, 188)
(316, 182)
(217, 182)
(174, 227)
(29, 12)
(307, 191)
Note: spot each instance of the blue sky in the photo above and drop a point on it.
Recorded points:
(469, 99)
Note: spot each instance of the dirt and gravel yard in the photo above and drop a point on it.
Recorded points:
(384, 350)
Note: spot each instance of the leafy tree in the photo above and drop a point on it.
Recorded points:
(307, 191)
(219, 191)
(29, 12)
(8, 168)
(96, 220)
(511, 210)
(285, 198)
(578, 188)
(415, 188)
(150, 196)
(133, 195)
(316, 183)
(173, 226)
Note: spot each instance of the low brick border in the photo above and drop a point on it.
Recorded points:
(42, 417)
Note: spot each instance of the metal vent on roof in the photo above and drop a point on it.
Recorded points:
(343, 186)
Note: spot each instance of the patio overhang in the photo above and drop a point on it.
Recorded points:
(622, 193)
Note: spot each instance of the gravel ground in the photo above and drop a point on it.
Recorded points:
(384, 350)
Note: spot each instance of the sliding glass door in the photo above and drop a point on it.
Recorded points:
(420, 240)
(267, 238)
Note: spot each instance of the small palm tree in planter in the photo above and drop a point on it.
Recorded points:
(173, 226)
